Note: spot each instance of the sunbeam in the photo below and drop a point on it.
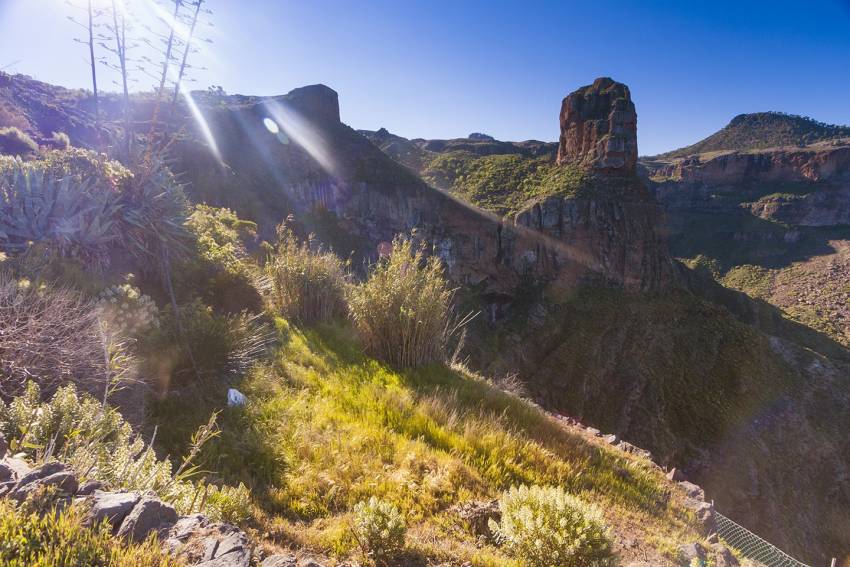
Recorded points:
(300, 131)
(201, 122)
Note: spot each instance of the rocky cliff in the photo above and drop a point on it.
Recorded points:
(599, 128)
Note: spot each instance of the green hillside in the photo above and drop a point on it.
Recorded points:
(761, 130)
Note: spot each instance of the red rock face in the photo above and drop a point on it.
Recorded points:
(599, 128)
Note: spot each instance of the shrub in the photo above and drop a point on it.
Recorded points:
(379, 528)
(15, 142)
(52, 336)
(59, 141)
(84, 204)
(220, 235)
(217, 269)
(95, 441)
(126, 311)
(30, 539)
(228, 503)
(547, 527)
(306, 285)
(401, 313)
(217, 346)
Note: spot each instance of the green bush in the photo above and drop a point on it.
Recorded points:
(220, 235)
(15, 142)
(30, 539)
(94, 440)
(547, 527)
(217, 269)
(85, 206)
(306, 285)
(211, 346)
(379, 528)
(401, 313)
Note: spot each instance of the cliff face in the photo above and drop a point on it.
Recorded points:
(599, 128)
(612, 237)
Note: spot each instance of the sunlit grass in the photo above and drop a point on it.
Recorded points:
(327, 427)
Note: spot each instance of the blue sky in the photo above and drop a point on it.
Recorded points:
(447, 68)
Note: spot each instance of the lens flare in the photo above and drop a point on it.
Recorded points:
(302, 132)
(271, 125)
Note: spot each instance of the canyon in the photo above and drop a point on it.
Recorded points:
(584, 299)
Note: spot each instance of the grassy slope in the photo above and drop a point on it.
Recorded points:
(327, 427)
(502, 184)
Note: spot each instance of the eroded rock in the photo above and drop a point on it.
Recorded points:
(147, 516)
(599, 128)
(111, 506)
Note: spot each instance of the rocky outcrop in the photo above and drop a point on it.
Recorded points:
(599, 128)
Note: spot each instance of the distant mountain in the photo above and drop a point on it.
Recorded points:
(761, 130)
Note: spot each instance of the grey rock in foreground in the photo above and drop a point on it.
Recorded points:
(148, 515)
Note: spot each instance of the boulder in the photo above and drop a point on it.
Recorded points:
(43, 471)
(111, 506)
(688, 552)
(6, 472)
(280, 560)
(65, 482)
(198, 541)
(675, 475)
(89, 487)
(599, 128)
(611, 439)
(692, 490)
(477, 516)
(19, 466)
(147, 516)
(723, 557)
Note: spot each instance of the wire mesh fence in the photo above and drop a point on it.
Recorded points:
(752, 546)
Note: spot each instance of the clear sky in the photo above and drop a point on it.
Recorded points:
(438, 69)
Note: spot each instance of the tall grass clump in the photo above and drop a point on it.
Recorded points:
(15, 142)
(547, 527)
(306, 285)
(401, 313)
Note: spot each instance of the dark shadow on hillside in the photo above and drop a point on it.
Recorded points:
(762, 315)
(741, 238)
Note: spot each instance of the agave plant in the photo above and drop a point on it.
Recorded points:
(74, 217)
(156, 213)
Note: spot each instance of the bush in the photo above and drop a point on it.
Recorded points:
(217, 346)
(52, 336)
(59, 141)
(30, 539)
(94, 440)
(15, 142)
(220, 234)
(547, 527)
(379, 528)
(126, 311)
(84, 205)
(308, 286)
(401, 313)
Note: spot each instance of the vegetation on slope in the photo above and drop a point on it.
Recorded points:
(34, 537)
(761, 130)
(502, 184)
(327, 428)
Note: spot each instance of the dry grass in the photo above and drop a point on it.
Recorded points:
(402, 311)
(306, 285)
